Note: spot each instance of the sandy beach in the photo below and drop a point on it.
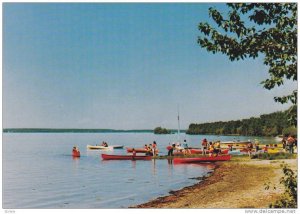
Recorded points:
(239, 183)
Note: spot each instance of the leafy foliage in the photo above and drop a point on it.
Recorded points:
(289, 131)
(266, 125)
(275, 156)
(273, 34)
(160, 130)
(289, 198)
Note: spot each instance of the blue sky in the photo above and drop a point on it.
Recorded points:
(122, 66)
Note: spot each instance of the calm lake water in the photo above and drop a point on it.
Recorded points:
(39, 171)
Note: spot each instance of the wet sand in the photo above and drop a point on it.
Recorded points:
(235, 184)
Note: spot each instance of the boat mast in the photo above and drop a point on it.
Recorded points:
(178, 131)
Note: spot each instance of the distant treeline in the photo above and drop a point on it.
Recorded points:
(266, 125)
(48, 130)
(160, 130)
(57, 130)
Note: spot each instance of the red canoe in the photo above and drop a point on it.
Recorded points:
(202, 159)
(200, 151)
(125, 157)
(138, 150)
(76, 153)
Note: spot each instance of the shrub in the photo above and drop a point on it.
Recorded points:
(289, 197)
(267, 156)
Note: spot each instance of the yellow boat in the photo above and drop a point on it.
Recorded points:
(275, 150)
(234, 144)
(243, 145)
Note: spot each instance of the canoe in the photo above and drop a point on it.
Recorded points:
(91, 147)
(202, 159)
(200, 151)
(125, 157)
(117, 146)
(242, 145)
(274, 145)
(76, 153)
(139, 150)
(235, 142)
(274, 150)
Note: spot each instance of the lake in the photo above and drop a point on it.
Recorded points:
(39, 171)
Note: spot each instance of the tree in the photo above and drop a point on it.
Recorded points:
(160, 130)
(273, 34)
(265, 125)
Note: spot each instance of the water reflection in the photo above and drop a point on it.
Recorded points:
(170, 166)
(133, 164)
(75, 162)
(153, 166)
(75, 158)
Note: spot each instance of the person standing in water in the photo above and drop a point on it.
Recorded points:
(170, 152)
(154, 148)
(186, 148)
(204, 145)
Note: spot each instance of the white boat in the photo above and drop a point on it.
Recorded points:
(97, 147)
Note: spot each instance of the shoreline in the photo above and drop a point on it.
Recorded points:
(233, 184)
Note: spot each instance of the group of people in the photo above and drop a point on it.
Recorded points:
(288, 144)
(151, 149)
(177, 147)
(212, 148)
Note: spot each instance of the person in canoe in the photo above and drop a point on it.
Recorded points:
(217, 149)
(104, 144)
(75, 149)
(149, 150)
(211, 149)
(133, 152)
(75, 152)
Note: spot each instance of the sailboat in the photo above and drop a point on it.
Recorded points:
(178, 130)
(178, 143)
